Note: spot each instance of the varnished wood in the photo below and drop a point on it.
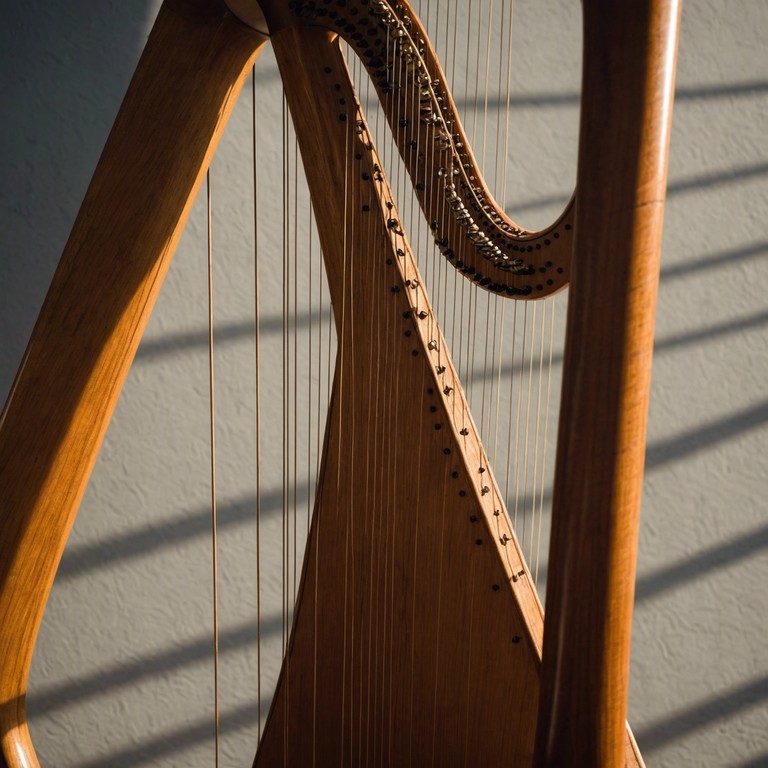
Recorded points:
(628, 81)
(98, 304)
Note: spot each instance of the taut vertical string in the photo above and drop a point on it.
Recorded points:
(212, 401)
(258, 402)
(285, 421)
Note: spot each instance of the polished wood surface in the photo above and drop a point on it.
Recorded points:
(628, 82)
(418, 635)
(98, 304)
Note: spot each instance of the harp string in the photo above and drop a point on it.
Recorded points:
(553, 304)
(477, 49)
(295, 411)
(287, 402)
(526, 431)
(518, 420)
(380, 566)
(501, 192)
(313, 374)
(257, 388)
(438, 319)
(214, 525)
(535, 474)
(487, 80)
(318, 521)
(310, 398)
(381, 746)
(364, 682)
(347, 239)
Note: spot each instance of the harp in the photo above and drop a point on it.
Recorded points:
(573, 667)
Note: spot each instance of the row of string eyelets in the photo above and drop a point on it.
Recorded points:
(487, 489)
(520, 433)
(432, 107)
(496, 240)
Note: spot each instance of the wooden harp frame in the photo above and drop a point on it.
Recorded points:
(575, 665)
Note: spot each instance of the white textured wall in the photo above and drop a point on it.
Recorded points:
(122, 674)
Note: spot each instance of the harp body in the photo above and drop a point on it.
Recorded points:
(408, 551)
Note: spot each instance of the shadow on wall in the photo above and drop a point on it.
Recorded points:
(84, 559)
(233, 332)
(724, 704)
(695, 183)
(55, 94)
(749, 89)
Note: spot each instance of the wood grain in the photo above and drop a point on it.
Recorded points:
(98, 304)
(628, 82)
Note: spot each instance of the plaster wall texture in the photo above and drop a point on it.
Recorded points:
(122, 673)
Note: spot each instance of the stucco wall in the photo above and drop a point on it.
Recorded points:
(122, 673)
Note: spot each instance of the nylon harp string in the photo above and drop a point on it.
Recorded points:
(214, 521)
(343, 335)
(370, 479)
(284, 368)
(257, 388)
(358, 690)
(390, 623)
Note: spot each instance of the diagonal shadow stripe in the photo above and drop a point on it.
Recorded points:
(755, 762)
(80, 559)
(47, 700)
(172, 742)
(651, 585)
(703, 181)
(179, 343)
(710, 333)
(701, 438)
(738, 325)
(715, 260)
(152, 348)
(723, 705)
(44, 700)
(651, 737)
(727, 176)
(693, 566)
(749, 89)
(230, 332)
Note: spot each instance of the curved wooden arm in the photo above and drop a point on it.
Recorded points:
(102, 293)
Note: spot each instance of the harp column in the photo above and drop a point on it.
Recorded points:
(628, 78)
